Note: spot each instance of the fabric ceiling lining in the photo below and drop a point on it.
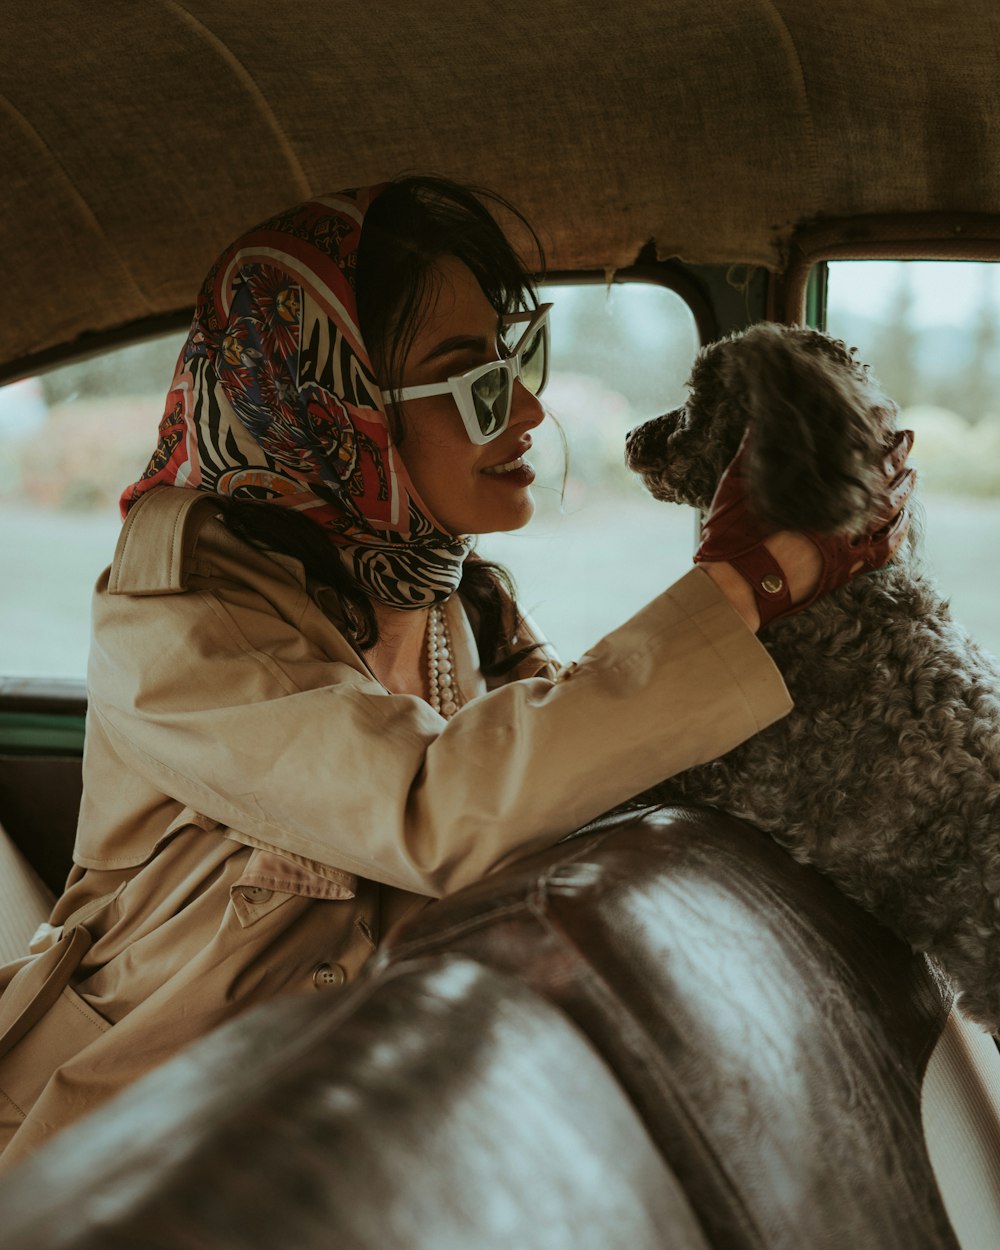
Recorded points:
(713, 128)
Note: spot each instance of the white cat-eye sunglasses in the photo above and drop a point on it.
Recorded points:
(484, 395)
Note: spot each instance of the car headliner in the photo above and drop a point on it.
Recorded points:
(137, 139)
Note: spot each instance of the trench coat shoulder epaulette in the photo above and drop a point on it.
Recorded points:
(160, 567)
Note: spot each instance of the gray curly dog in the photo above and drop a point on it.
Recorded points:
(886, 775)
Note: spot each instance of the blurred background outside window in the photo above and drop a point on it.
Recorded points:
(70, 440)
(931, 332)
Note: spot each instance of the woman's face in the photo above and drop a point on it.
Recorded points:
(461, 484)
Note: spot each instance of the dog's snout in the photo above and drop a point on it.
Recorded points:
(644, 443)
(633, 440)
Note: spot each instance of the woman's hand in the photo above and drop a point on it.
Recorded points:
(797, 556)
(769, 575)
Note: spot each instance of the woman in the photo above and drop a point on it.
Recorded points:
(311, 707)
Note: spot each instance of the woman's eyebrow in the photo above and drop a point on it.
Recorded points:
(460, 342)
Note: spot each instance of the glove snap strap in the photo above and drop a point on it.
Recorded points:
(766, 578)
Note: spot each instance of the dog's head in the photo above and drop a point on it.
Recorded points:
(815, 428)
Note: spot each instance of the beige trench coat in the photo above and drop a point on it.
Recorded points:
(258, 809)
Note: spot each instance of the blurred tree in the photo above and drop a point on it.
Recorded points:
(980, 398)
(620, 354)
(895, 353)
(635, 338)
(139, 369)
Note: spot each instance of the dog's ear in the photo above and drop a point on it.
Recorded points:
(816, 429)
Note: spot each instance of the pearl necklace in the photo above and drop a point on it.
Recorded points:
(444, 696)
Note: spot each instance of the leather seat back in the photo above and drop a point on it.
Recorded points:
(443, 1106)
(772, 1035)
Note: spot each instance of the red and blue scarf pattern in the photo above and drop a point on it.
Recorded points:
(274, 400)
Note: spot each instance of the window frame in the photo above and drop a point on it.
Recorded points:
(794, 295)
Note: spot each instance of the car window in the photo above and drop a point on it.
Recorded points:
(69, 441)
(597, 549)
(931, 331)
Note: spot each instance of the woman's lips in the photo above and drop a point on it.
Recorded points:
(510, 466)
(515, 463)
(518, 472)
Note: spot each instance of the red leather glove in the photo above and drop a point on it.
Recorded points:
(732, 534)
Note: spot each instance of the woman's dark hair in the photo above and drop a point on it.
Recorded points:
(409, 227)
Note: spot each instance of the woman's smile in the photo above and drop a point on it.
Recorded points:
(516, 466)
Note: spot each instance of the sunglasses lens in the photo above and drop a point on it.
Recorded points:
(491, 396)
(533, 362)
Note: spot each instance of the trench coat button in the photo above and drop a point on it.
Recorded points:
(255, 893)
(327, 975)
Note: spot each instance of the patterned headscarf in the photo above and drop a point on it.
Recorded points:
(274, 400)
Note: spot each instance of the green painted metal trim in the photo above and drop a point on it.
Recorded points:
(40, 733)
(816, 296)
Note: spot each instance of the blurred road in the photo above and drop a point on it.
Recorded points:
(578, 575)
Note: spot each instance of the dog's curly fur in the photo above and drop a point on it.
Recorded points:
(886, 775)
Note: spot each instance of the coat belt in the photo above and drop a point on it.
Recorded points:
(67, 956)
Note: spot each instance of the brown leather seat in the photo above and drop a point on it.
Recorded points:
(772, 1035)
(769, 1035)
(442, 1106)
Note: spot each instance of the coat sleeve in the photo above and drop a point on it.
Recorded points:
(224, 704)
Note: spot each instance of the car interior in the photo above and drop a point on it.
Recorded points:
(662, 1031)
